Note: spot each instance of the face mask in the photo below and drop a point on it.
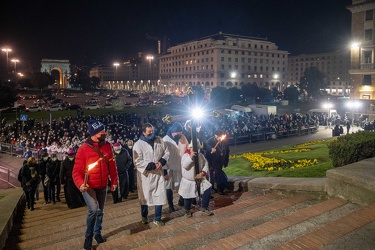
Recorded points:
(71, 158)
(198, 129)
(130, 147)
(177, 137)
(117, 151)
(150, 137)
(102, 138)
(45, 158)
(54, 159)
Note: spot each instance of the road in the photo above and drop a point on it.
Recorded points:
(322, 133)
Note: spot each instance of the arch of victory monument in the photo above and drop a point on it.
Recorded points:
(62, 66)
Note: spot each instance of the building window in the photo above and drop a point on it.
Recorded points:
(366, 80)
(369, 15)
(368, 35)
(367, 56)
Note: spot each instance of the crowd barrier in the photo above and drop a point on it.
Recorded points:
(262, 136)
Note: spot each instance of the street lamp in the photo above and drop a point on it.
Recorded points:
(7, 50)
(328, 106)
(149, 58)
(353, 105)
(15, 64)
(116, 64)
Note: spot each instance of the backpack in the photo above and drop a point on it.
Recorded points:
(20, 174)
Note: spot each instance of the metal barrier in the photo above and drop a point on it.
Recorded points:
(254, 137)
(8, 176)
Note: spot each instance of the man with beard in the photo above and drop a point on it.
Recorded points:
(150, 155)
(95, 150)
(73, 196)
(123, 162)
(217, 159)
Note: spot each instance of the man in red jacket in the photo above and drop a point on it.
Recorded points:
(95, 159)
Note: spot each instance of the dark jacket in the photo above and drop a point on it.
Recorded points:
(29, 176)
(123, 161)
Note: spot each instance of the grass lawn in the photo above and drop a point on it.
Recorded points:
(239, 166)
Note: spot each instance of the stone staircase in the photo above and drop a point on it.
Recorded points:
(245, 220)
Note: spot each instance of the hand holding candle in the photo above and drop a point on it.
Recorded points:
(221, 138)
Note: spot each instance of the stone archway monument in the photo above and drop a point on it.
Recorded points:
(62, 66)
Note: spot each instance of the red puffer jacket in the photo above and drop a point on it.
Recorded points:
(98, 175)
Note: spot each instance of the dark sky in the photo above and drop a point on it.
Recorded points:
(94, 32)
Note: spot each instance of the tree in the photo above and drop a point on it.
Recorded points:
(80, 80)
(275, 93)
(312, 82)
(234, 95)
(41, 80)
(95, 82)
(8, 94)
(291, 93)
(218, 96)
(250, 91)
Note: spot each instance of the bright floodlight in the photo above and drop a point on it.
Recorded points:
(327, 105)
(233, 74)
(353, 104)
(197, 113)
(355, 45)
(276, 76)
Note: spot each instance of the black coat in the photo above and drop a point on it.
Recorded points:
(30, 176)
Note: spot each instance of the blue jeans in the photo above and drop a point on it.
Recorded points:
(95, 199)
(158, 210)
(205, 200)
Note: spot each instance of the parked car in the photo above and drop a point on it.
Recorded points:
(160, 102)
(74, 107)
(107, 106)
(70, 96)
(128, 105)
(55, 101)
(144, 104)
(34, 108)
(92, 106)
(56, 107)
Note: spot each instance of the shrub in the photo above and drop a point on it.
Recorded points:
(352, 148)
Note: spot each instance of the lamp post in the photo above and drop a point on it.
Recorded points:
(353, 106)
(7, 50)
(15, 64)
(328, 106)
(149, 58)
(116, 64)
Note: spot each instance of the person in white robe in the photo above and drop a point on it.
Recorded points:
(150, 155)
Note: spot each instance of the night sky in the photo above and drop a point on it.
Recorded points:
(95, 32)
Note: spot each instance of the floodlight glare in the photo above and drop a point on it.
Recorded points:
(197, 113)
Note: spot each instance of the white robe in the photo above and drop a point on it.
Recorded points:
(150, 183)
(188, 186)
(174, 162)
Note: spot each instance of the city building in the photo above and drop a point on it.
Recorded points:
(362, 67)
(138, 74)
(223, 60)
(335, 65)
(104, 72)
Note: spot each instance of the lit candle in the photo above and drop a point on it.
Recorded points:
(89, 167)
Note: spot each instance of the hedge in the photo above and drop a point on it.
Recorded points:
(352, 148)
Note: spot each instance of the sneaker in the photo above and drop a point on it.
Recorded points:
(207, 212)
(99, 238)
(144, 220)
(88, 244)
(159, 223)
(187, 214)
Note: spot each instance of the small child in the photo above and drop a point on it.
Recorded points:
(188, 186)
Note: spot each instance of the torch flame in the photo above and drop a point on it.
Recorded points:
(222, 138)
(92, 165)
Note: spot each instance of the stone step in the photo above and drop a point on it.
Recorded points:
(245, 220)
(70, 223)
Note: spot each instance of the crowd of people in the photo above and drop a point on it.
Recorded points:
(163, 160)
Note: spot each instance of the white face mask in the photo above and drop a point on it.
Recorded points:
(45, 158)
(71, 158)
(117, 151)
(54, 159)
(130, 147)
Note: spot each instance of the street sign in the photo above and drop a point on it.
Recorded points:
(24, 117)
